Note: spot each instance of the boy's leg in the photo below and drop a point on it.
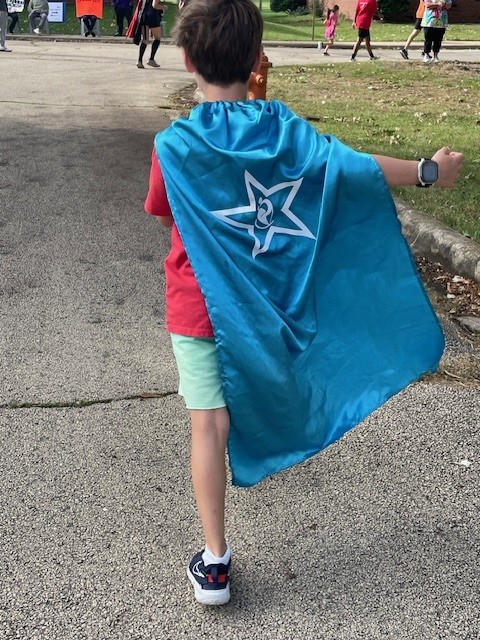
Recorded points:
(209, 440)
(356, 47)
(369, 47)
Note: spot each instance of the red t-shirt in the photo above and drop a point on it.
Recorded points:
(186, 311)
(364, 13)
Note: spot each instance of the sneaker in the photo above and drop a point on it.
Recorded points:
(140, 65)
(435, 59)
(6, 49)
(404, 53)
(374, 57)
(37, 31)
(93, 34)
(153, 63)
(426, 58)
(325, 53)
(211, 583)
(352, 59)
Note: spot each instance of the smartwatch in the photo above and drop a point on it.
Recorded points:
(427, 172)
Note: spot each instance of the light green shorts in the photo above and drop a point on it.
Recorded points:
(199, 372)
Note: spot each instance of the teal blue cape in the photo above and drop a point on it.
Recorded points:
(318, 311)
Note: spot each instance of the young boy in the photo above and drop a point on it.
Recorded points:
(364, 12)
(293, 303)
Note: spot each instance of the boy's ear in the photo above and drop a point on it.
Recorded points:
(258, 60)
(187, 62)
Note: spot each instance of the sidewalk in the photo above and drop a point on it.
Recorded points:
(301, 44)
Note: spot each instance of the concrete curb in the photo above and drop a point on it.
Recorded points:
(301, 44)
(435, 241)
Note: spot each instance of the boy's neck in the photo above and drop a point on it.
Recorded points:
(215, 93)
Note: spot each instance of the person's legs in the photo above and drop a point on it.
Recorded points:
(119, 19)
(209, 440)
(32, 19)
(157, 34)
(43, 19)
(201, 387)
(328, 44)
(427, 47)
(369, 47)
(411, 38)
(14, 22)
(142, 47)
(356, 47)
(437, 42)
(3, 28)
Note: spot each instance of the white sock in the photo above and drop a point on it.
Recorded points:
(210, 558)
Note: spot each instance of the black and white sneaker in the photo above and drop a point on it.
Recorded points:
(211, 582)
(404, 53)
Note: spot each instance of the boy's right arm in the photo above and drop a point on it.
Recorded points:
(405, 172)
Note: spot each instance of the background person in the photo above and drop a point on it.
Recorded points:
(147, 20)
(416, 29)
(123, 11)
(434, 22)
(330, 27)
(364, 12)
(37, 9)
(3, 26)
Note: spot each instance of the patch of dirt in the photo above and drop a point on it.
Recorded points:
(453, 296)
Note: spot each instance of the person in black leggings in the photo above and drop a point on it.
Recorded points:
(434, 23)
(89, 21)
(150, 21)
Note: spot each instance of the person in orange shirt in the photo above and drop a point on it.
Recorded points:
(416, 29)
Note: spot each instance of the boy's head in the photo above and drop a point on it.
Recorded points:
(221, 38)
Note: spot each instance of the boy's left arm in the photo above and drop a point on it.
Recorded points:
(405, 172)
(156, 203)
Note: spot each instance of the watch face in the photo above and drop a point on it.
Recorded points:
(429, 171)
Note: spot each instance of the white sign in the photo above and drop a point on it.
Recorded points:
(15, 6)
(57, 11)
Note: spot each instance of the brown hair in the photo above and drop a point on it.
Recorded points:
(222, 38)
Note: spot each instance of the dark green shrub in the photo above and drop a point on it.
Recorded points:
(288, 6)
(393, 10)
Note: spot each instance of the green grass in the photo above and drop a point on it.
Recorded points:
(407, 111)
(278, 26)
(284, 27)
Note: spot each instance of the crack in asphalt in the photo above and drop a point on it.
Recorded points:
(79, 404)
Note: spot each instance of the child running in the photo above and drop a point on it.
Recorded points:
(330, 28)
(292, 299)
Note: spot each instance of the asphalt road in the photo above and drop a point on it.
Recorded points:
(377, 537)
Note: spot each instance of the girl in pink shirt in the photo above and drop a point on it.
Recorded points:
(330, 27)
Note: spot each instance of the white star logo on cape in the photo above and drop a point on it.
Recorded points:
(266, 219)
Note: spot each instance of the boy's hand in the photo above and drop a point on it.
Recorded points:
(450, 164)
